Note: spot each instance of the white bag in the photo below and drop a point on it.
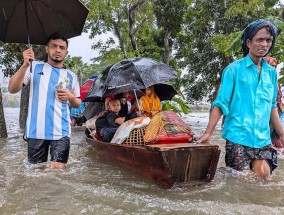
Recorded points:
(124, 129)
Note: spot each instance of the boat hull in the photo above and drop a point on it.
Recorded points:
(170, 165)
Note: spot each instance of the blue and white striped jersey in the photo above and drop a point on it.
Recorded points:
(48, 118)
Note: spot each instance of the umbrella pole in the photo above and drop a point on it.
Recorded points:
(137, 101)
(28, 30)
(31, 61)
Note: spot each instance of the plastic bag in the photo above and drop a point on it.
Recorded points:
(124, 129)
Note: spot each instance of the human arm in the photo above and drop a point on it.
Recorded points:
(113, 120)
(16, 81)
(214, 117)
(275, 121)
(157, 106)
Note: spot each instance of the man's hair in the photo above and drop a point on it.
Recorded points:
(253, 28)
(56, 36)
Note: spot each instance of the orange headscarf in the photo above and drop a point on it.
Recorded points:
(151, 103)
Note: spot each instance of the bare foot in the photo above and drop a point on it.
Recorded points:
(57, 165)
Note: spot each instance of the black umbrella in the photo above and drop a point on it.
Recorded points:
(129, 75)
(33, 21)
(165, 91)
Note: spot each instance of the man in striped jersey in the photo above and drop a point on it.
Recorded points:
(53, 89)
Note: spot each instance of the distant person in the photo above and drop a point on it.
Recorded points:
(274, 136)
(76, 115)
(109, 123)
(151, 103)
(53, 89)
(247, 97)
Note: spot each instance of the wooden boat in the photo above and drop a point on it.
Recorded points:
(170, 165)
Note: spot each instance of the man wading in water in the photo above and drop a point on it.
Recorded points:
(53, 89)
(247, 97)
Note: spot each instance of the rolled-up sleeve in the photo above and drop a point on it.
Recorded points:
(225, 92)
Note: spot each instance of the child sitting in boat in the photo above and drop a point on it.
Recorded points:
(125, 104)
(151, 103)
(108, 124)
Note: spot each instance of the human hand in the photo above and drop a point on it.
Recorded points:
(276, 142)
(282, 140)
(205, 138)
(28, 55)
(64, 94)
(138, 113)
(120, 120)
(153, 113)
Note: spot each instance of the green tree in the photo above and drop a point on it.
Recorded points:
(210, 28)
(82, 70)
(11, 57)
(169, 15)
(128, 21)
(3, 128)
(139, 31)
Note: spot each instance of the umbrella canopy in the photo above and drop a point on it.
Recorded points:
(86, 86)
(128, 75)
(33, 21)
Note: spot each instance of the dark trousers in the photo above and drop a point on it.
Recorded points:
(107, 134)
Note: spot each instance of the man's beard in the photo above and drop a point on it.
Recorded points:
(55, 60)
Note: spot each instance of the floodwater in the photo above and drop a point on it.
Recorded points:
(93, 184)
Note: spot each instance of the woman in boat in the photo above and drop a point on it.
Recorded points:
(125, 104)
(151, 103)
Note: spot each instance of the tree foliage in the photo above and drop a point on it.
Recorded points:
(210, 28)
(192, 36)
(11, 56)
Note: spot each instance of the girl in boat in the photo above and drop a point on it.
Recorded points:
(151, 103)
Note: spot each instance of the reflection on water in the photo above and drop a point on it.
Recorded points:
(96, 185)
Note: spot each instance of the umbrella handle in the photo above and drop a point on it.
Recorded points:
(137, 101)
(31, 66)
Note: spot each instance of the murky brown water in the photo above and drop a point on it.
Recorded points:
(96, 185)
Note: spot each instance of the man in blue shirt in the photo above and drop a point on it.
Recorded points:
(247, 99)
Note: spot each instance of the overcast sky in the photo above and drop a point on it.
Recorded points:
(81, 46)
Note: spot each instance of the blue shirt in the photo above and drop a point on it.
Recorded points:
(246, 99)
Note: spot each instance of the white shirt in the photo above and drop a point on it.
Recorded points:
(48, 118)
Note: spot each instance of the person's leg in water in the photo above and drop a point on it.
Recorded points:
(59, 152)
(261, 169)
(37, 152)
(265, 162)
(262, 161)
